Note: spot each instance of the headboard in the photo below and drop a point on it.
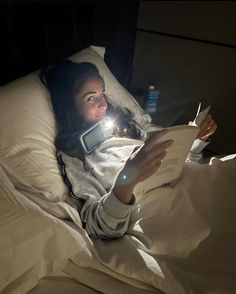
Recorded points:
(38, 33)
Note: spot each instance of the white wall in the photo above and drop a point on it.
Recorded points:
(191, 57)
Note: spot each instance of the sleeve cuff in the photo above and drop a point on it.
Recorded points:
(199, 145)
(114, 207)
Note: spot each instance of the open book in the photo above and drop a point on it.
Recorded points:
(172, 164)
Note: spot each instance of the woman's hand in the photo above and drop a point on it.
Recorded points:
(207, 128)
(144, 162)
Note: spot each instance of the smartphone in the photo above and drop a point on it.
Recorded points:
(97, 134)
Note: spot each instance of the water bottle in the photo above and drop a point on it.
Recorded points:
(151, 99)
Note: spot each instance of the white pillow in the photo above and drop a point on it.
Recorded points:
(28, 129)
(31, 238)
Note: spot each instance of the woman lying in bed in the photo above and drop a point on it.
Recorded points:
(79, 101)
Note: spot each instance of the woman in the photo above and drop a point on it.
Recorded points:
(161, 230)
(79, 101)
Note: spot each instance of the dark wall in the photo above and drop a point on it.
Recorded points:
(37, 33)
(187, 49)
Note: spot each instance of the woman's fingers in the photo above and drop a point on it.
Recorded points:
(207, 127)
(210, 131)
(148, 152)
(204, 124)
(151, 159)
(155, 136)
(147, 158)
(161, 147)
(156, 162)
(153, 139)
(150, 143)
(152, 166)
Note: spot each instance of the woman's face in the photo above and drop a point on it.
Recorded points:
(91, 101)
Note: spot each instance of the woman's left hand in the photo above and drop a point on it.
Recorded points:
(207, 128)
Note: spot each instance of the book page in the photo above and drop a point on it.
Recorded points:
(173, 162)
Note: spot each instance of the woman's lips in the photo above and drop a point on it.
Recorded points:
(101, 115)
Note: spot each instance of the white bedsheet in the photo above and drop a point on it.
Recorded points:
(169, 258)
(189, 239)
(170, 227)
(33, 243)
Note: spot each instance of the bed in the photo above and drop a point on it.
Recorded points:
(43, 246)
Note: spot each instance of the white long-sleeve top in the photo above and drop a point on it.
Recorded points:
(102, 213)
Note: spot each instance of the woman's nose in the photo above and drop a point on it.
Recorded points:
(102, 102)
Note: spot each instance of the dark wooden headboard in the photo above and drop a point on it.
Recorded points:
(35, 33)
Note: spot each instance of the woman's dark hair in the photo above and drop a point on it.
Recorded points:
(64, 80)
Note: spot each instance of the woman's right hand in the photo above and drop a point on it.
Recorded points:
(144, 162)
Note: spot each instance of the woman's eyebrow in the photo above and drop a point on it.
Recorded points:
(87, 93)
(92, 92)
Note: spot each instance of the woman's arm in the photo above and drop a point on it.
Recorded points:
(106, 215)
(144, 162)
(103, 215)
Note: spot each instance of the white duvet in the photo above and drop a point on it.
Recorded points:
(182, 239)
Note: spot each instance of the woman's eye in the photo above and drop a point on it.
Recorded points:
(91, 98)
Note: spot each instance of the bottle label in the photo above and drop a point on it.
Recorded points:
(151, 101)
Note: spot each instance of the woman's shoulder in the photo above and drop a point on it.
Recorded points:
(69, 143)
